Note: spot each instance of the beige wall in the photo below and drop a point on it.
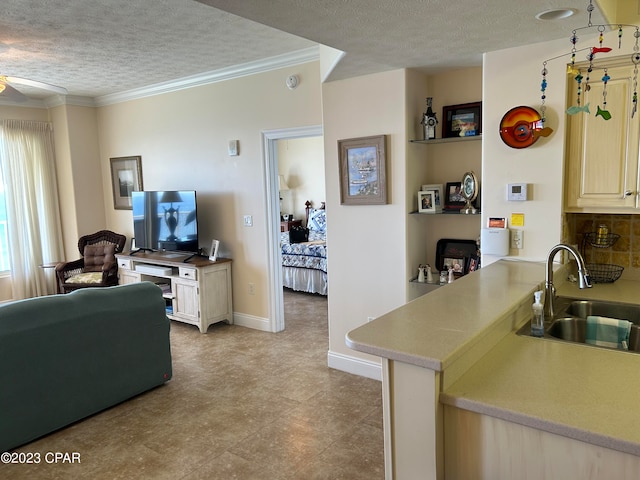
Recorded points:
(367, 263)
(301, 161)
(79, 174)
(182, 138)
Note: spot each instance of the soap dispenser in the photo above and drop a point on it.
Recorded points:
(537, 322)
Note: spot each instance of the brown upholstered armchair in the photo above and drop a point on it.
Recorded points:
(97, 267)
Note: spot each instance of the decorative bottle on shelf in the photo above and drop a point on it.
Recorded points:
(429, 274)
(429, 121)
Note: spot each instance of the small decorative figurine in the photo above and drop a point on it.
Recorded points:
(421, 270)
(429, 121)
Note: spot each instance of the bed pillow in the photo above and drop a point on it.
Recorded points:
(318, 221)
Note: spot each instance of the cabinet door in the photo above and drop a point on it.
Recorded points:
(127, 276)
(186, 299)
(602, 161)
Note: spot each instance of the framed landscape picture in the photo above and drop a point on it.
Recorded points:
(363, 165)
(462, 120)
(126, 177)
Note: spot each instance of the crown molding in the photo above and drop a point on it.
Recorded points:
(251, 68)
(31, 103)
(76, 100)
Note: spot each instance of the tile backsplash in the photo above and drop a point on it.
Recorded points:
(624, 252)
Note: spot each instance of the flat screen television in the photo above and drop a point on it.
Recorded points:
(165, 220)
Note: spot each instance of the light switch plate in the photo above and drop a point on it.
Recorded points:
(233, 148)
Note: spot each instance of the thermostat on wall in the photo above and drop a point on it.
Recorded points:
(517, 192)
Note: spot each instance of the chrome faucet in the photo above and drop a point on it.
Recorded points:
(549, 290)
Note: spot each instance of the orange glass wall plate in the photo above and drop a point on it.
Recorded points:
(520, 127)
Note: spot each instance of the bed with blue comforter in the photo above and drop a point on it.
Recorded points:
(304, 264)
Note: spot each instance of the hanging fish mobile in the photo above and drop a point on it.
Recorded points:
(583, 81)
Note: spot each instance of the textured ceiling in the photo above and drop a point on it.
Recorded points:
(96, 48)
(93, 48)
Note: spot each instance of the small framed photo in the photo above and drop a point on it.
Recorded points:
(464, 120)
(457, 264)
(126, 177)
(438, 199)
(473, 264)
(215, 248)
(363, 171)
(453, 199)
(426, 201)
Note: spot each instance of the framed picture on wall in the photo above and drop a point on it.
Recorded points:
(363, 171)
(126, 177)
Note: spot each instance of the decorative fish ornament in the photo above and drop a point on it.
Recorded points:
(572, 110)
(603, 113)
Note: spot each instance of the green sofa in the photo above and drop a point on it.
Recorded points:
(65, 357)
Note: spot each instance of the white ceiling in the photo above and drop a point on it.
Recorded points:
(98, 48)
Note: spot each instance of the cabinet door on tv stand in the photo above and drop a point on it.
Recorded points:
(127, 276)
(186, 300)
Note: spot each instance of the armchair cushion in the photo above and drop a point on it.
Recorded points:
(86, 278)
(96, 256)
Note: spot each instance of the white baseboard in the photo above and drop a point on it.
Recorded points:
(357, 366)
(251, 321)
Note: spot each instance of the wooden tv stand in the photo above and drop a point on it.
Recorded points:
(197, 292)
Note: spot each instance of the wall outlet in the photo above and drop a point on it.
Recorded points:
(248, 221)
(252, 288)
(516, 239)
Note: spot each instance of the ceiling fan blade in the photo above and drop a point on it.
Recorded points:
(36, 84)
(11, 93)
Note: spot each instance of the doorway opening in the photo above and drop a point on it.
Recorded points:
(275, 279)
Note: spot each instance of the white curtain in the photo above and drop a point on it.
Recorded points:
(33, 215)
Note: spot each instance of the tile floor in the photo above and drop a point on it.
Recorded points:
(242, 404)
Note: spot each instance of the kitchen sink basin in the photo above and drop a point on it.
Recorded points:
(621, 311)
(570, 321)
(573, 329)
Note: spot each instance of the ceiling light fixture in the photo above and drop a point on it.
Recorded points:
(576, 71)
(556, 14)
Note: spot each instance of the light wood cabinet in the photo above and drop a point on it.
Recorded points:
(197, 292)
(601, 173)
(483, 447)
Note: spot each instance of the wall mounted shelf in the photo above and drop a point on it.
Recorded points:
(470, 138)
(447, 213)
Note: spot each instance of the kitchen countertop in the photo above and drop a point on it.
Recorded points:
(578, 391)
(434, 329)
